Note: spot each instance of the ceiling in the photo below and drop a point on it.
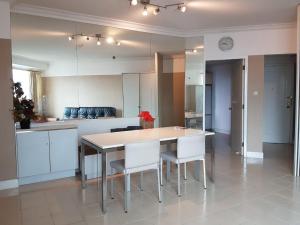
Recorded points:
(201, 14)
(46, 39)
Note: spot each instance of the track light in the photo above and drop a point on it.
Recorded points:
(145, 11)
(156, 11)
(182, 8)
(70, 38)
(134, 2)
(98, 42)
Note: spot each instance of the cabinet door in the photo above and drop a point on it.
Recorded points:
(33, 153)
(63, 149)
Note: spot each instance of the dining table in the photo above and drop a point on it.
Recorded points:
(104, 143)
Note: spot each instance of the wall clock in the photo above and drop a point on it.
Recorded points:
(226, 43)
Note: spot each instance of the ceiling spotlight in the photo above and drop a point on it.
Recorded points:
(133, 2)
(118, 43)
(156, 11)
(110, 40)
(98, 42)
(182, 8)
(70, 38)
(87, 38)
(145, 11)
(195, 51)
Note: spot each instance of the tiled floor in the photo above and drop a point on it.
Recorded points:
(244, 192)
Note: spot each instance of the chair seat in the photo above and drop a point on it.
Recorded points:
(172, 156)
(118, 165)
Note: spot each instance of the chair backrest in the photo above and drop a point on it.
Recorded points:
(142, 154)
(190, 146)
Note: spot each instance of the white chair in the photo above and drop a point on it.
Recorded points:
(139, 157)
(189, 148)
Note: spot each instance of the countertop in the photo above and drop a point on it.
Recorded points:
(47, 127)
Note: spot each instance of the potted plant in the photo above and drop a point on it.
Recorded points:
(146, 120)
(23, 107)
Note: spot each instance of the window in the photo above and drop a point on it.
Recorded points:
(24, 78)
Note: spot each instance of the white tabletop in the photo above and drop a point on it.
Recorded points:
(119, 139)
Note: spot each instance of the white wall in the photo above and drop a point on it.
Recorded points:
(221, 97)
(252, 42)
(4, 20)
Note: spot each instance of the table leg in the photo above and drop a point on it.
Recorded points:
(197, 169)
(212, 163)
(82, 164)
(104, 182)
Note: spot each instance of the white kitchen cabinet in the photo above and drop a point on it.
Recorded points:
(46, 154)
(33, 153)
(63, 149)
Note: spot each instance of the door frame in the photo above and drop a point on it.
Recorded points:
(244, 100)
(296, 167)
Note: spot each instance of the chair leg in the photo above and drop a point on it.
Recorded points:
(158, 184)
(112, 185)
(126, 193)
(141, 181)
(168, 169)
(185, 177)
(161, 172)
(204, 173)
(178, 180)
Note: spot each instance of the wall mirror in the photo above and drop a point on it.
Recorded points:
(194, 83)
(83, 65)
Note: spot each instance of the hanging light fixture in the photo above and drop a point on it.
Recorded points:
(98, 37)
(180, 6)
(133, 2)
(98, 42)
(156, 11)
(110, 40)
(145, 11)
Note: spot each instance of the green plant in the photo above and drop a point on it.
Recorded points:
(23, 107)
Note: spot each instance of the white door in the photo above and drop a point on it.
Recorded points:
(63, 149)
(278, 103)
(148, 94)
(33, 153)
(131, 95)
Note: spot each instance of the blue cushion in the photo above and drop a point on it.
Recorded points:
(82, 113)
(89, 112)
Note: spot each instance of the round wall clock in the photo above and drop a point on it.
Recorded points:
(226, 43)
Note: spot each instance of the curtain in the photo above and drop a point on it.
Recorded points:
(36, 91)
